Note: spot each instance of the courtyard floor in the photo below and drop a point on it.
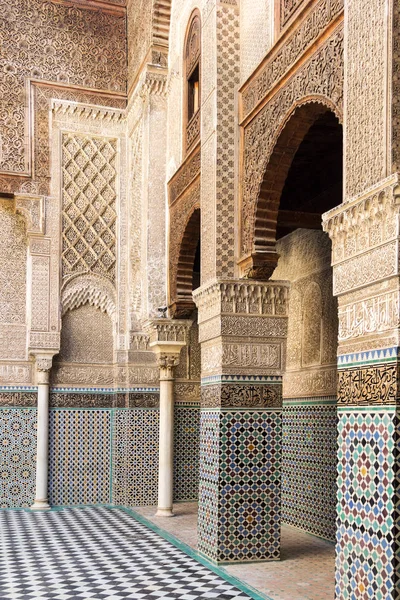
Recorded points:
(97, 553)
(306, 570)
(104, 553)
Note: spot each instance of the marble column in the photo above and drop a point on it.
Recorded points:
(43, 366)
(167, 338)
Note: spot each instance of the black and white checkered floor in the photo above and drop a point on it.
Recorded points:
(98, 553)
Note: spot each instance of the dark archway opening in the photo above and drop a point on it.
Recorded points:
(315, 178)
(188, 268)
(306, 182)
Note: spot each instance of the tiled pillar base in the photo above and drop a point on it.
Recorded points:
(240, 471)
(242, 331)
(368, 519)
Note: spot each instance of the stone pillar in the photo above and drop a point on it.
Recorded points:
(43, 366)
(167, 338)
(242, 330)
(365, 258)
(220, 78)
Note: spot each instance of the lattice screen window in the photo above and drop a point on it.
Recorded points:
(89, 171)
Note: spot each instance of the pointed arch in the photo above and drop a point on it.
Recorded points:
(290, 134)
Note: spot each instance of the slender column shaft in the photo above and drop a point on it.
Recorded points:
(166, 444)
(42, 456)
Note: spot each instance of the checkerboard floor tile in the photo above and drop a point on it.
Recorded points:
(100, 554)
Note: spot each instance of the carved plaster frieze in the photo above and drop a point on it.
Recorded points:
(367, 221)
(281, 59)
(44, 339)
(168, 330)
(365, 386)
(308, 383)
(187, 391)
(77, 111)
(15, 373)
(233, 357)
(370, 316)
(365, 269)
(241, 395)
(242, 298)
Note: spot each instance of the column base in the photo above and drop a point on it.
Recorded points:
(40, 505)
(164, 512)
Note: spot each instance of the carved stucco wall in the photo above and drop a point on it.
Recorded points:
(83, 344)
(139, 15)
(181, 11)
(312, 329)
(13, 273)
(256, 25)
(366, 109)
(62, 43)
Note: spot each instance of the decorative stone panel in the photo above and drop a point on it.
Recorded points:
(89, 205)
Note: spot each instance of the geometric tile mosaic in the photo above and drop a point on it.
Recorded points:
(309, 468)
(250, 485)
(208, 484)
(80, 457)
(135, 457)
(100, 554)
(186, 453)
(367, 536)
(240, 470)
(17, 457)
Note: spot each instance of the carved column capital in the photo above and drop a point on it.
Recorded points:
(43, 363)
(167, 338)
(167, 364)
(32, 209)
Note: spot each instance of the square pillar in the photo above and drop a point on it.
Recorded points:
(242, 331)
(365, 249)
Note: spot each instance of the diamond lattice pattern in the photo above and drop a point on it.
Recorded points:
(89, 205)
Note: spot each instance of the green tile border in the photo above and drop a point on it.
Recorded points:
(247, 589)
(365, 408)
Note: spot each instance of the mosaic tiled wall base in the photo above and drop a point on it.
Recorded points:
(135, 457)
(240, 465)
(368, 524)
(309, 468)
(186, 453)
(18, 457)
(207, 524)
(80, 457)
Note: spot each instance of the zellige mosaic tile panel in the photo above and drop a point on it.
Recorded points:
(80, 457)
(135, 457)
(367, 536)
(186, 453)
(17, 457)
(309, 468)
